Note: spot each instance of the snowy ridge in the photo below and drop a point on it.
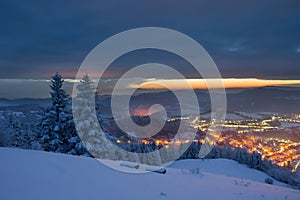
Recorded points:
(39, 175)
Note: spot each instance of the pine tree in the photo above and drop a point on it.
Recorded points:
(56, 122)
(94, 137)
(86, 123)
(240, 155)
(150, 155)
(27, 137)
(85, 91)
(82, 108)
(255, 160)
(16, 137)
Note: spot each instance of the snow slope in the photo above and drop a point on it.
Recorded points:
(39, 175)
(225, 167)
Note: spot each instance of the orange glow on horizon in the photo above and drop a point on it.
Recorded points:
(212, 83)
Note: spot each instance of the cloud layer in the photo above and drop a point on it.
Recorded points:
(246, 39)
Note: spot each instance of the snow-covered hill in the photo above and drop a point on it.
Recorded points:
(39, 175)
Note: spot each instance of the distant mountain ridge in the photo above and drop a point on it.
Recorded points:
(265, 99)
(4, 103)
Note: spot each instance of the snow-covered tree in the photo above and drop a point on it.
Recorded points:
(93, 135)
(150, 154)
(82, 108)
(56, 122)
(240, 155)
(16, 137)
(215, 152)
(254, 160)
(27, 137)
(87, 124)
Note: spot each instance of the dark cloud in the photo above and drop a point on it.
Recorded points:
(254, 38)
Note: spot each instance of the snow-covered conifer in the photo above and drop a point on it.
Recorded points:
(56, 122)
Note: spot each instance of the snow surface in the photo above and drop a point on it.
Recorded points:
(40, 175)
(224, 167)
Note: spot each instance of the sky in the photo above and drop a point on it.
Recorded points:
(252, 39)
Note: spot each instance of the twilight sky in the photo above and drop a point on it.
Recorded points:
(259, 39)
